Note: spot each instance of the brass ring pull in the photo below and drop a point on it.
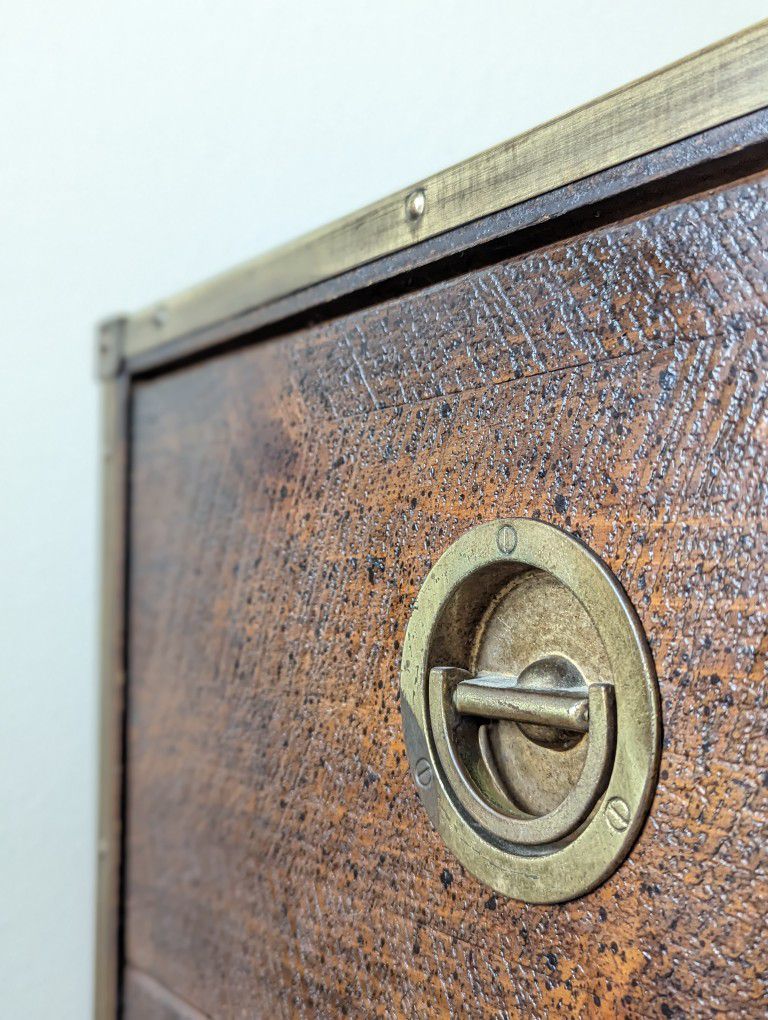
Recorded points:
(455, 695)
(536, 760)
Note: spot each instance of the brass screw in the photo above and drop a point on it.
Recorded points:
(618, 814)
(160, 316)
(415, 204)
(423, 772)
(506, 539)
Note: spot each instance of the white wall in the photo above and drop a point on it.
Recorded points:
(145, 145)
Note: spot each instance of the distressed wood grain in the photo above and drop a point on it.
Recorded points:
(288, 500)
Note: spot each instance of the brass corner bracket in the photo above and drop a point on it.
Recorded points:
(110, 346)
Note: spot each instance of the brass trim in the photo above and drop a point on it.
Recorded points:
(113, 461)
(726, 80)
(110, 346)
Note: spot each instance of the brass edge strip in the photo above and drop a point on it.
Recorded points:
(114, 403)
(719, 83)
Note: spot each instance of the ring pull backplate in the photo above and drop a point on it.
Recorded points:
(531, 710)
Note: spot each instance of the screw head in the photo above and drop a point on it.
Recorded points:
(415, 203)
(423, 773)
(160, 316)
(618, 814)
(506, 539)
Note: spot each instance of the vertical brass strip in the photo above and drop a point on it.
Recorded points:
(113, 457)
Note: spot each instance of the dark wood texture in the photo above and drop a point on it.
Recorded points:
(287, 501)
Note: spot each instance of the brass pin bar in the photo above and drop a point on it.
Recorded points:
(493, 698)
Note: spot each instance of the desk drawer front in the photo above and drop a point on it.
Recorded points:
(288, 500)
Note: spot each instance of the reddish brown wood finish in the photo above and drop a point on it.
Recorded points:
(287, 501)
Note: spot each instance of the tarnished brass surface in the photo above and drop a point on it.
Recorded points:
(537, 620)
(530, 707)
(557, 711)
(488, 800)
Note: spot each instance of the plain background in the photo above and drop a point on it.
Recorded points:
(145, 145)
